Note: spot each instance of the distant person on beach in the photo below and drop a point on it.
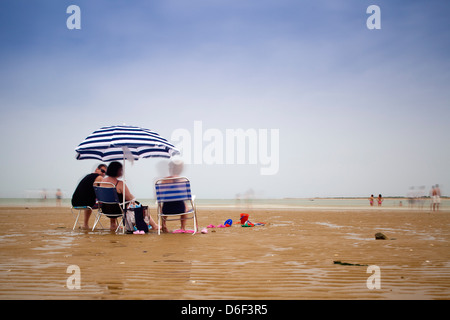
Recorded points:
(175, 170)
(371, 199)
(411, 195)
(380, 200)
(238, 199)
(435, 197)
(84, 194)
(438, 194)
(44, 194)
(421, 197)
(114, 172)
(58, 196)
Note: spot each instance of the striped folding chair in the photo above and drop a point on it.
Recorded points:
(109, 204)
(175, 189)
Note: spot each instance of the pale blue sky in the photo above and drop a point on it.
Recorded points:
(359, 111)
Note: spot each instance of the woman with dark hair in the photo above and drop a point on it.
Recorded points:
(380, 200)
(114, 172)
(371, 200)
(84, 194)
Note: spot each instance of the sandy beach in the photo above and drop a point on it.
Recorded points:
(291, 257)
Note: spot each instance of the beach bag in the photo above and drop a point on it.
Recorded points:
(135, 219)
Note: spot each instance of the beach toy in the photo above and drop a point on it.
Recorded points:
(204, 231)
(139, 232)
(221, 226)
(228, 223)
(244, 217)
(247, 224)
(189, 231)
(211, 226)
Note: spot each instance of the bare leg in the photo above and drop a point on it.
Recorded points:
(113, 225)
(183, 221)
(164, 226)
(152, 223)
(87, 215)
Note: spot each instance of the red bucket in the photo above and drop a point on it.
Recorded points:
(244, 217)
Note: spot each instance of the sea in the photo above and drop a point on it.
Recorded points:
(297, 203)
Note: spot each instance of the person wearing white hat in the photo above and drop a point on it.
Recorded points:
(176, 166)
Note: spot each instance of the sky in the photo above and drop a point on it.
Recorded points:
(358, 111)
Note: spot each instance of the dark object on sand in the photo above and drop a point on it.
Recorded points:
(350, 264)
(380, 236)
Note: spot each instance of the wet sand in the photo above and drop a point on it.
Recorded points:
(292, 257)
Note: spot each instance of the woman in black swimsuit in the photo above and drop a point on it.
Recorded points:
(114, 172)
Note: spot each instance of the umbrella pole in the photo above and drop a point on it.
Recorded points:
(124, 183)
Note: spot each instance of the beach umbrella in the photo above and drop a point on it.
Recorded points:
(115, 143)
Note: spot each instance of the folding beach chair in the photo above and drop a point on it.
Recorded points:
(79, 209)
(175, 189)
(106, 193)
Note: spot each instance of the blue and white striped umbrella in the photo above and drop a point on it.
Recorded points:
(124, 143)
(114, 143)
